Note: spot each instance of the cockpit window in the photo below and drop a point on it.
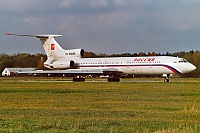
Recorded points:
(182, 61)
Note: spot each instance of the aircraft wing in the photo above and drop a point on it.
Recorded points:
(112, 71)
(109, 71)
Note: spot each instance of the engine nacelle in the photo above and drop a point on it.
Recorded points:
(63, 64)
(74, 53)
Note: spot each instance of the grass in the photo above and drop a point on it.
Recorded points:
(100, 107)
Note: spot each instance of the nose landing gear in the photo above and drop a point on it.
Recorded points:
(166, 77)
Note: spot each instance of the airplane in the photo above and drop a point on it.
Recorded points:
(71, 62)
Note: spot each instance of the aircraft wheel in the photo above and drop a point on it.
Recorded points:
(78, 79)
(166, 79)
(113, 79)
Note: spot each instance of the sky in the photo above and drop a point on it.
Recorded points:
(102, 26)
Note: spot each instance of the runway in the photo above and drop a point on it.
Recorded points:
(93, 80)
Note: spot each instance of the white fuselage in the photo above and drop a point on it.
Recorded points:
(138, 65)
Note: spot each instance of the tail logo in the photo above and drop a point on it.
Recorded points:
(52, 46)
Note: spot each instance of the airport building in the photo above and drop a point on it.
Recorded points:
(14, 71)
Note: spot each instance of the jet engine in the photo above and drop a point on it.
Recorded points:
(63, 64)
(74, 53)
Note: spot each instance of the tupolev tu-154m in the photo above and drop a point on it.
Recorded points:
(71, 62)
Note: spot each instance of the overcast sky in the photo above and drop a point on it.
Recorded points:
(102, 26)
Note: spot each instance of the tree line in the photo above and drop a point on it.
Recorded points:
(21, 60)
(24, 60)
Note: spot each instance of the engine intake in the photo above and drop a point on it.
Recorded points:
(72, 64)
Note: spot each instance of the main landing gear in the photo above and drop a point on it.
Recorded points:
(82, 79)
(79, 79)
(113, 79)
(166, 77)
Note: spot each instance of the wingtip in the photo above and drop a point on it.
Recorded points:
(8, 34)
(11, 34)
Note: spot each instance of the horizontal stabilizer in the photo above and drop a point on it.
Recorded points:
(10, 34)
(36, 36)
(47, 36)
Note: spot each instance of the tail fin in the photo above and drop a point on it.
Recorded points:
(52, 49)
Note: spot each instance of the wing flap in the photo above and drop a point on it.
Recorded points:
(111, 71)
(69, 71)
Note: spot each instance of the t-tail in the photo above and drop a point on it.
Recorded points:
(55, 53)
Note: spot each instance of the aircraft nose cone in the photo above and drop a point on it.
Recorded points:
(191, 68)
(188, 67)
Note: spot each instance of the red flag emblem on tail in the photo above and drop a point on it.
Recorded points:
(52, 46)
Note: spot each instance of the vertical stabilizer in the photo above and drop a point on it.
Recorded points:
(51, 47)
(56, 55)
